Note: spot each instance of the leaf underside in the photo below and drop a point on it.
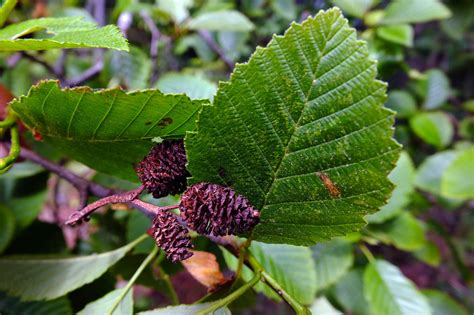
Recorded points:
(301, 131)
(108, 130)
(68, 32)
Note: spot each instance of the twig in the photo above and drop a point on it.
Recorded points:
(88, 74)
(207, 37)
(84, 214)
(155, 38)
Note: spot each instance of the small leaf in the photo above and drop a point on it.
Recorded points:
(435, 88)
(402, 102)
(458, 179)
(403, 176)
(434, 128)
(429, 254)
(108, 130)
(443, 304)
(332, 261)
(409, 11)
(348, 292)
(105, 304)
(7, 227)
(13, 305)
(224, 20)
(204, 268)
(428, 176)
(404, 232)
(355, 8)
(37, 278)
(185, 310)
(131, 69)
(399, 34)
(193, 86)
(177, 9)
(68, 32)
(389, 292)
(301, 132)
(322, 306)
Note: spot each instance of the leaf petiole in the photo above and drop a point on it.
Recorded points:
(14, 153)
(231, 297)
(134, 278)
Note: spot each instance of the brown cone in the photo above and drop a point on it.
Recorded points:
(217, 210)
(163, 171)
(171, 236)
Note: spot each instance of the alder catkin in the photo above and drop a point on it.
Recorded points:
(171, 236)
(217, 210)
(163, 171)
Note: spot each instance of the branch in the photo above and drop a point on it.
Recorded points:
(207, 37)
(88, 74)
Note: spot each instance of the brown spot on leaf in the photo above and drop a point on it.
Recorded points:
(148, 123)
(165, 122)
(330, 186)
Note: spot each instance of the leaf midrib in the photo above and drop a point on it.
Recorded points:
(306, 102)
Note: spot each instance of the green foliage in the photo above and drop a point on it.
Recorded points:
(399, 34)
(185, 310)
(194, 87)
(389, 292)
(429, 173)
(442, 304)
(7, 227)
(273, 134)
(13, 305)
(105, 304)
(332, 260)
(37, 278)
(348, 292)
(354, 8)
(70, 32)
(408, 11)
(224, 20)
(96, 128)
(457, 180)
(434, 128)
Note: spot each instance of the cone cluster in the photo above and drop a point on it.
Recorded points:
(217, 210)
(163, 171)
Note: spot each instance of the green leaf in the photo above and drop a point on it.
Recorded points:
(402, 102)
(105, 304)
(224, 20)
(185, 310)
(68, 32)
(7, 227)
(443, 304)
(348, 292)
(132, 69)
(434, 128)
(136, 224)
(354, 8)
(38, 278)
(399, 34)
(193, 86)
(389, 292)
(177, 9)
(13, 305)
(5, 10)
(332, 260)
(300, 130)
(436, 89)
(27, 208)
(428, 176)
(108, 130)
(404, 232)
(322, 306)
(409, 11)
(457, 180)
(429, 254)
(403, 176)
(291, 266)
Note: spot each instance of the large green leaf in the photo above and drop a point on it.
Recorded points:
(105, 304)
(38, 278)
(414, 11)
(291, 266)
(12, 305)
(458, 179)
(389, 292)
(108, 130)
(68, 32)
(300, 130)
(332, 260)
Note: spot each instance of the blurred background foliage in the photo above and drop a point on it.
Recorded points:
(425, 51)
